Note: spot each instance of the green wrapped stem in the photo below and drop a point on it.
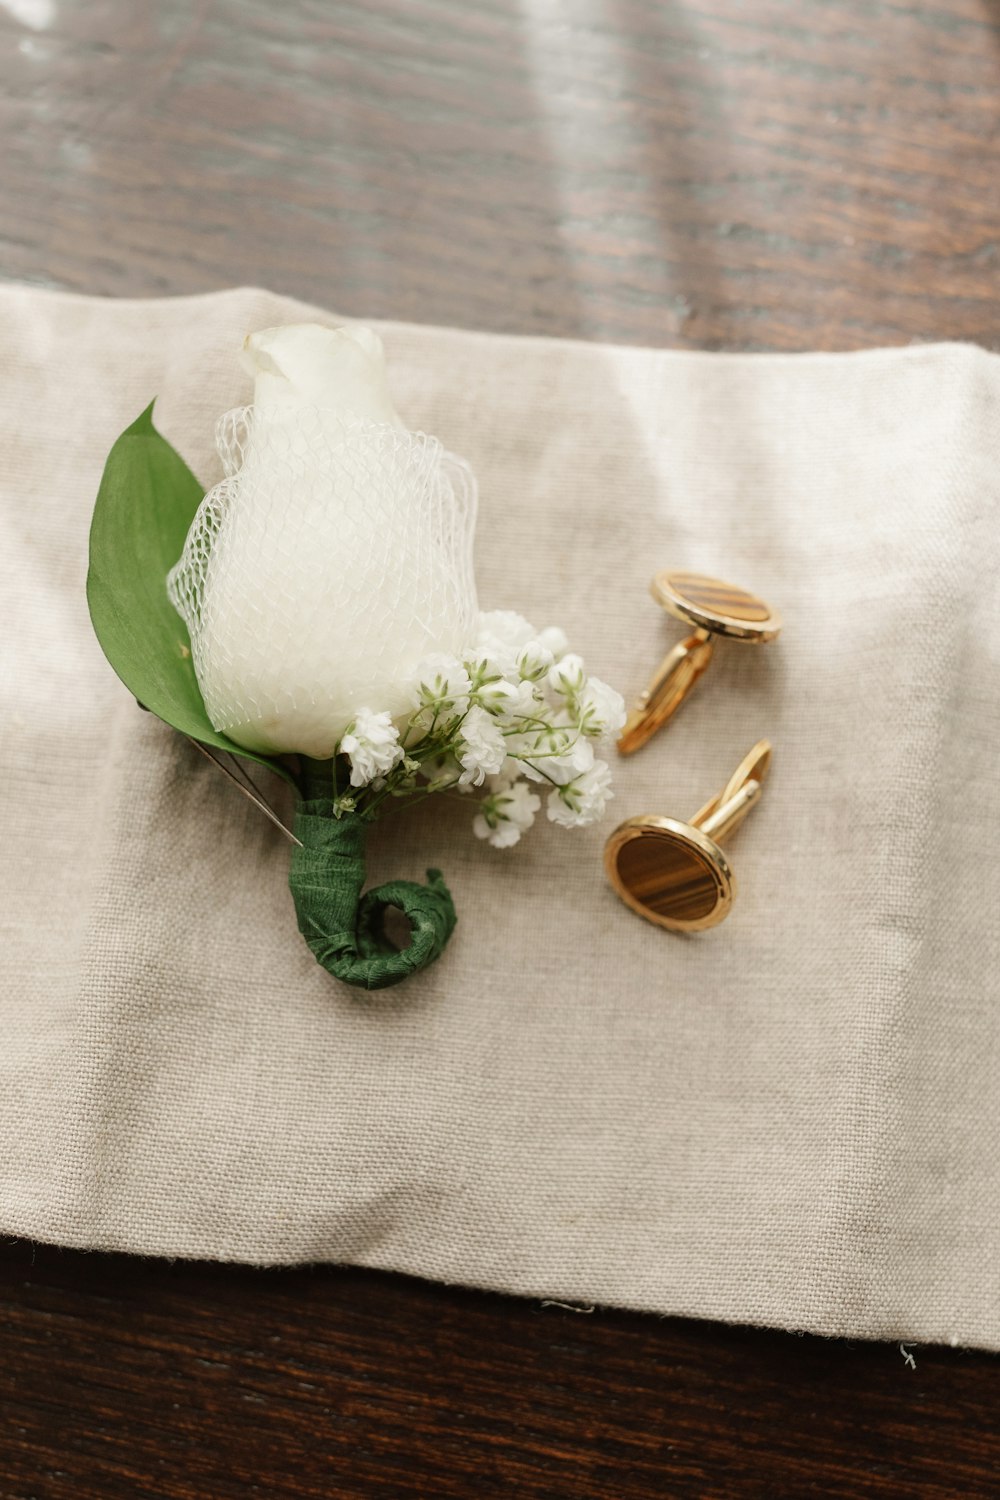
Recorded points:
(343, 928)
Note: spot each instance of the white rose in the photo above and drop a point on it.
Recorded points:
(338, 369)
(333, 558)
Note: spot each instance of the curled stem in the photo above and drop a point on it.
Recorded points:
(344, 929)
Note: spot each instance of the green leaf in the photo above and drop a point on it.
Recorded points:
(145, 505)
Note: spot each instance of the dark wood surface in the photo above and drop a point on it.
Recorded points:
(755, 174)
(134, 1378)
(741, 174)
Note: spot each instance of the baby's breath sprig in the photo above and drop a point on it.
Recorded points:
(517, 708)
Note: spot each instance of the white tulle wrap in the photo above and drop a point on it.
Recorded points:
(334, 556)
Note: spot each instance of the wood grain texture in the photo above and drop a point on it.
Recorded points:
(170, 1382)
(780, 174)
(742, 174)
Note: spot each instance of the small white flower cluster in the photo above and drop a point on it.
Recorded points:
(372, 747)
(518, 710)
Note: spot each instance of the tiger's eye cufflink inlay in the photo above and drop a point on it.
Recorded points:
(714, 608)
(675, 874)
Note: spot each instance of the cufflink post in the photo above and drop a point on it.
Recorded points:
(715, 609)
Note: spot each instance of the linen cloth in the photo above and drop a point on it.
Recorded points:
(791, 1120)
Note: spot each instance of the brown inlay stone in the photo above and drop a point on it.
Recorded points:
(713, 596)
(668, 876)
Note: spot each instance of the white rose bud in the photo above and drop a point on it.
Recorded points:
(333, 558)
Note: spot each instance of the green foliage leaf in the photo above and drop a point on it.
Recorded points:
(145, 506)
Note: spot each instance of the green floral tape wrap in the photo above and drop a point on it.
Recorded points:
(343, 928)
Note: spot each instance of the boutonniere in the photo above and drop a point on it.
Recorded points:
(316, 612)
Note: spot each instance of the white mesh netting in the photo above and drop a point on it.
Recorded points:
(333, 557)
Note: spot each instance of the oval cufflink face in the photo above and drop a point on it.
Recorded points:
(669, 873)
(722, 608)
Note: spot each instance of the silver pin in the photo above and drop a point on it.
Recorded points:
(254, 796)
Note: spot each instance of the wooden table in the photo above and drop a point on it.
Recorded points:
(722, 174)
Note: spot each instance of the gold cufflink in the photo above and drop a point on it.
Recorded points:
(674, 873)
(714, 608)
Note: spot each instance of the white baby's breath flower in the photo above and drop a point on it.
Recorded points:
(500, 637)
(482, 749)
(601, 708)
(558, 757)
(505, 627)
(522, 702)
(534, 661)
(492, 690)
(499, 689)
(568, 676)
(372, 746)
(553, 639)
(583, 800)
(440, 691)
(507, 812)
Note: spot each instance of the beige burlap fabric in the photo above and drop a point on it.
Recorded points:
(792, 1120)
